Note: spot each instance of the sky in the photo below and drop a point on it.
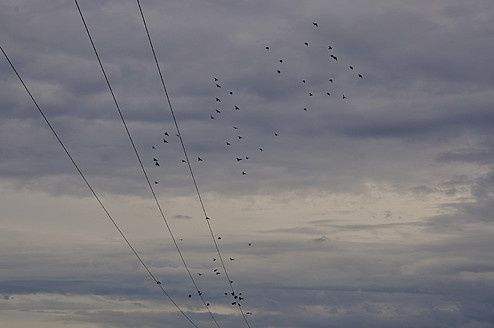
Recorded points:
(370, 206)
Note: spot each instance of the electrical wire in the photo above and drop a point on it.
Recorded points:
(142, 166)
(94, 192)
(187, 159)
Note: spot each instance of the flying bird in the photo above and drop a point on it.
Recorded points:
(154, 159)
(231, 259)
(200, 274)
(228, 144)
(360, 75)
(235, 128)
(328, 93)
(231, 92)
(344, 97)
(267, 48)
(211, 116)
(243, 173)
(153, 147)
(334, 57)
(199, 159)
(218, 111)
(238, 159)
(166, 133)
(157, 164)
(158, 282)
(156, 182)
(351, 67)
(215, 79)
(310, 94)
(305, 108)
(281, 60)
(260, 149)
(236, 107)
(315, 24)
(306, 44)
(329, 47)
(218, 99)
(303, 81)
(240, 137)
(184, 161)
(218, 86)
(278, 71)
(275, 134)
(331, 80)
(165, 141)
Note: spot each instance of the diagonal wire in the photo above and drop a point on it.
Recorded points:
(143, 169)
(187, 159)
(93, 192)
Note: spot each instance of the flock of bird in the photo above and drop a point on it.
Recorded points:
(225, 101)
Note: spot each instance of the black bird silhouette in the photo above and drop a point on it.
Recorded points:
(157, 164)
(228, 144)
(154, 159)
(334, 57)
(281, 60)
(329, 47)
(351, 67)
(165, 141)
(248, 312)
(235, 128)
(214, 259)
(215, 79)
(218, 272)
(218, 99)
(306, 43)
(344, 97)
(200, 274)
(240, 137)
(303, 81)
(305, 108)
(158, 282)
(236, 107)
(260, 149)
(199, 159)
(190, 295)
(156, 182)
(360, 75)
(238, 159)
(328, 93)
(166, 133)
(243, 173)
(218, 86)
(331, 80)
(246, 157)
(278, 71)
(231, 259)
(231, 92)
(184, 161)
(310, 94)
(315, 24)
(153, 147)
(219, 237)
(267, 48)
(218, 111)
(211, 116)
(275, 134)
(250, 244)
(215, 270)
(234, 303)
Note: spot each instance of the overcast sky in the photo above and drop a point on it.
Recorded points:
(371, 206)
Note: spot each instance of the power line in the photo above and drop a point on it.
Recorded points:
(187, 159)
(94, 193)
(142, 166)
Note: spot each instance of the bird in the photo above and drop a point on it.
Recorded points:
(351, 67)
(156, 182)
(236, 107)
(218, 86)
(303, 81)
(231, 259)
(305, 108)
(315, 24)
(344, 97)
(156, 163)
(215, 79)
(250, 244)
(331, 80)
(166, 133)
(165, 141)
(328, 93)
(215, 270)
(218, 99)
(218, 272)
(238, 159)
(199, 159)
(334, 57)
(310, 94)
(153, 147)
(235, 128)
(267, 48)
(239, 137)
(190, 295)
(234, 303)
(231, 92)
(184, 161)
(158, 282)
(228, 144)
(154, 159)
(247, 157)
(219, 237)
(207, 304)
(278, 71)
(212, 117)
(360, 75)
(329, 47)
(214, 259)
(218, 111)
(243, 173)
(200, 274)
(306, 44)
(260, 149)
(281, 60)
(248, 312)
(275, 134)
